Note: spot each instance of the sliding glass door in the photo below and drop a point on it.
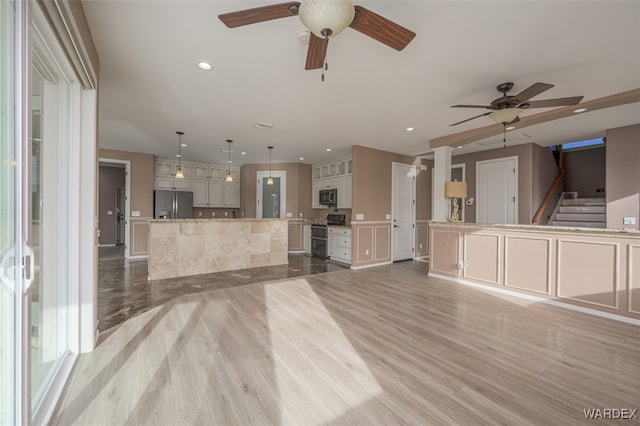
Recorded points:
(9, 253)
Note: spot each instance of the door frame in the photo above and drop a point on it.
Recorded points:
(282, 174)
(394, 205)
(515, 187)
(127, 203)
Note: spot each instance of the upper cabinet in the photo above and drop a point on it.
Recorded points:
(205, 180)
(335, 174)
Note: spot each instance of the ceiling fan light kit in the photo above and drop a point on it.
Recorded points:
(320, 15)
(505, 109)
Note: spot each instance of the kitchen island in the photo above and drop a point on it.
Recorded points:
(183, 247)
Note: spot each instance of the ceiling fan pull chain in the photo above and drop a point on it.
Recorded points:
(326, 33)
(504, 135)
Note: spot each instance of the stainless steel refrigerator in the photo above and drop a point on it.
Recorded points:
(172, 204)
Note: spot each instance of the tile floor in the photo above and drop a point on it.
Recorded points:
(124, 291)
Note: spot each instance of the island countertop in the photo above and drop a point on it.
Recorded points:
(183, 247)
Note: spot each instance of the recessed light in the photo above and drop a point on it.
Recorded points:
(183, 145)
(229, 161)
(579, 110)
(510, 128)
(301, 158)
(328, 149)
(410, 129)
(243, 153)
(178, 155)
(204, 66)
(459, 146)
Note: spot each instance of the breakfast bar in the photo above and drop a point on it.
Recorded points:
(183, 247)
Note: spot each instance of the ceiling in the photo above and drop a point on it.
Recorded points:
(150, 87)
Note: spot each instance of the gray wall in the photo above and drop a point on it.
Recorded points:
(585, 172)
(623, 176)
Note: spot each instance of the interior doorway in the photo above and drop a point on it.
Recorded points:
(497, 191)
(271, 199)
(403, 211)
(114, 208)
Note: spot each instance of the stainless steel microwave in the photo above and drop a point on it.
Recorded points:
(329, 197)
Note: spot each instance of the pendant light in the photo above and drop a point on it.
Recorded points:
(270, 179)
(179, 172)
(229, 178)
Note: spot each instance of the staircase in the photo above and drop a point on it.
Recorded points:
(581, 212)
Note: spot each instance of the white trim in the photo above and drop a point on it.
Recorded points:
(45, 410)
(538, 299)
(106, 245)
(297, 252)
(127, 203)
(142, 256)
(372, 265)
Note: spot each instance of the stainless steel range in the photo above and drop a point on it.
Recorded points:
(319, 234)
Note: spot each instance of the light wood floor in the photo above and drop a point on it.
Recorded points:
(380, 346)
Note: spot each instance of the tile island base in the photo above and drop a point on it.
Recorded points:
(184, 247)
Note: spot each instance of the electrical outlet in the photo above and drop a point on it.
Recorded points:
(200, 214)
(420, 246)
(213, 214)
(359, 216)
(366, 252)
(226, 214)
(387, 216)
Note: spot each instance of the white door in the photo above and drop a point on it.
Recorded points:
(403, 195)
(496, 190)
(271, 200)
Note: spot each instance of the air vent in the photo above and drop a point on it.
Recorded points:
(263, 126)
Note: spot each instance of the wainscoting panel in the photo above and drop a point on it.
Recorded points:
(295, 235)
(588, 272)
(422, 238)
(382, 247)
(482, 258)
(364, 240)
(139, 237)
(634, 278)
(528, 264)
(446, 256)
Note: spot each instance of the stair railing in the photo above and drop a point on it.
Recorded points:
(553, 189)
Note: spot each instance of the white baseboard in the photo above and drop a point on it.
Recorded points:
(297, 252)
(143, 256)
(538, 299)
(107, 245)
(372, 265)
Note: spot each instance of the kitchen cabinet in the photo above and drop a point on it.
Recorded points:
(205, 180)
(165, 176)
(306, 238)
(339, 244)
(336, 174)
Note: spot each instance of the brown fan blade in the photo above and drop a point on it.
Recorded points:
(259, 14)
(555, 102)
(515, 120)
(469, 119)
(381, 29)
(533, 90)
(316, 52)
(472, 106)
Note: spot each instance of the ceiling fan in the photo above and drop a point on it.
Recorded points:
(506, 108)
(325, 19)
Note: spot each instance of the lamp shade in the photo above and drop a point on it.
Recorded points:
(318, 15)
(506, 115)
(455, 189)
